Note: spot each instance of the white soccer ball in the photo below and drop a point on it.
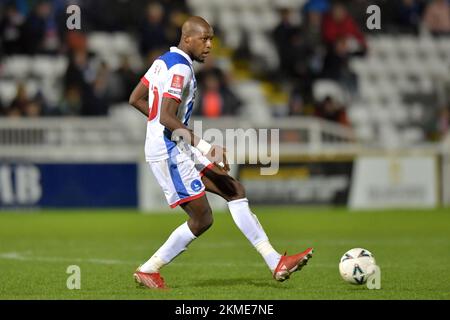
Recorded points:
(357, 265)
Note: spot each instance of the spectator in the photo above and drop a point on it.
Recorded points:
(41, 105)
(336, 65)
(282, 36)
(407, 16)
(300, 104)
(76, 41)
(357, 9)
(91, 81)
(437, 17)
(94, 92)
(444, 122)
(11, 24)
(320, 6)
(311, 31)
(40, 30)
(2, 109)
(216, 101)
(214, 85)
(174, 5)
(152, 31)
(79, 72)
(173, 30)
(33, 109)
(211, 101)
(123, 81)
(101, 80)
(20, 102)
(210, 67)
(23, 106)
(13, 113)
(329, 109)
(71, 103)
(339, 24)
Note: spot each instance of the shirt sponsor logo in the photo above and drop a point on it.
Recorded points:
(174, 92)
(177, 82)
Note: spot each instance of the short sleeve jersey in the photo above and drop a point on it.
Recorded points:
(170, 76)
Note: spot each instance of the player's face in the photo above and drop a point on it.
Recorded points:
(202, 44)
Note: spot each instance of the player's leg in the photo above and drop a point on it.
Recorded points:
(200, 215)
(182, 186)
(200, 220)
(219, 182)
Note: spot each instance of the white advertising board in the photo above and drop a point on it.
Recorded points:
(394, 182)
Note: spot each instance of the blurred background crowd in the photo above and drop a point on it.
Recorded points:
(286, 46)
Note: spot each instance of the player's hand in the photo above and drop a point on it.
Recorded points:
(218, 156)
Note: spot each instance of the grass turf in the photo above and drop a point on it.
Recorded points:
(411, 247)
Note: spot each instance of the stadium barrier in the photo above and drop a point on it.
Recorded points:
(89, 162)
(445, 170)
(68, 185)
(395, 181)
(301, 180)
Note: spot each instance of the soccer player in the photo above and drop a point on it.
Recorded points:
(186, 166)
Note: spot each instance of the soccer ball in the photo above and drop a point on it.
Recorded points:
(357, 265)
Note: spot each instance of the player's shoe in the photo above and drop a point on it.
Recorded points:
(290, 264)
(149, 280)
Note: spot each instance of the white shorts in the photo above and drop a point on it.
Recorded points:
(180, 176)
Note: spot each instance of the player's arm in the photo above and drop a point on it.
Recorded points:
(169, 119)
(139, 98)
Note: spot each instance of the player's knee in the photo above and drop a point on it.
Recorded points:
(202, 224)
(239, 191)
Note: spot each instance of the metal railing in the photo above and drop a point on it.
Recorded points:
(117, 138)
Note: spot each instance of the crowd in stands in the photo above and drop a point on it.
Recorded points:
(330, 33)
(38, 27)
(89, 85)
(319, 47)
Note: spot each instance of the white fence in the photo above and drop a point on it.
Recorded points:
(116, 139)
(121, 139)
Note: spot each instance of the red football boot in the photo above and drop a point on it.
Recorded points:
(290, 264)
(149, 280)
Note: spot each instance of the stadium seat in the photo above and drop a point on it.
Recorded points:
(359, 114)
(398, 113)
(8, 91)
(365, 132)
(269, 20)
(233, 38)
(196, 5)
(261, 4)
(250, 21)
(385, 46)
(416, 112)
(443, 48)
(123, 44)
(32, 87)
(44, 67)
(228, 20)
(406, 46)
(412, 135)
(380, 114)
(208, 14)
(18, 67)
(262, 47)
(100, 42)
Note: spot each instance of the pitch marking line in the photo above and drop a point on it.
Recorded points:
(23, 256)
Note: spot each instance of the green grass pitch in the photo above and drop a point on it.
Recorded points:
(411, 247)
